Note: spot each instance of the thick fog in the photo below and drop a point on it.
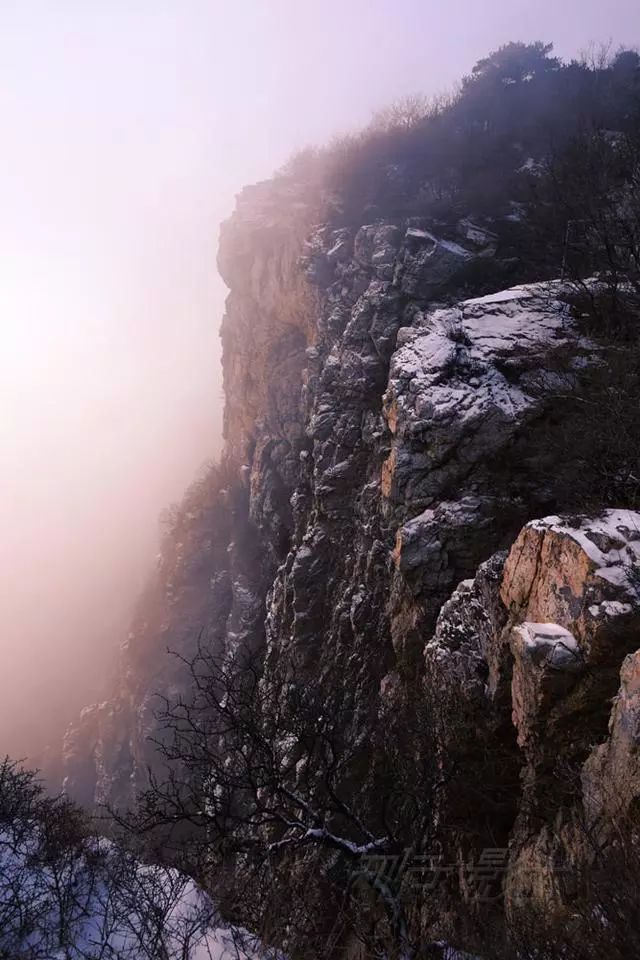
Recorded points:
(126, 130)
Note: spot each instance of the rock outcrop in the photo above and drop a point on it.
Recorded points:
(544, 641)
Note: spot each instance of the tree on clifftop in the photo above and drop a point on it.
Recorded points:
(513, 63)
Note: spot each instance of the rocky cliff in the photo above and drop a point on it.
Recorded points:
(528, 658)
(390, 443)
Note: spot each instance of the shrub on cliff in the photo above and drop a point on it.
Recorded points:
(473, 151)
(588, 455)
(67, 894)
(263, 801)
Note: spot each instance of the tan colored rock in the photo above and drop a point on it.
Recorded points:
(388, 470)
(546, 663)
(550, 665)
(578, 574)
(611, 775)
(545, 575)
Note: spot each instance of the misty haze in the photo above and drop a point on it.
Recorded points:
(320, 500)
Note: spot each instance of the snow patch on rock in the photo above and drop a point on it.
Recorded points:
(465, 379)
(551, 644)
(611, 541)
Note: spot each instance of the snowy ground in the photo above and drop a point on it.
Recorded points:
(97, 903)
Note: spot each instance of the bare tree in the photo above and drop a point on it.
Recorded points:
(72, 895)
(273, 782)
(588, 203)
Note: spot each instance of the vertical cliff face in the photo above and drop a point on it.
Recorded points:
(378, 447)
(386, 435)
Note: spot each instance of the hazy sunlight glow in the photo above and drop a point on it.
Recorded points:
(127, 129)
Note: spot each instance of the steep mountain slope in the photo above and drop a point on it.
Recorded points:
(392, 423)
(367, 469)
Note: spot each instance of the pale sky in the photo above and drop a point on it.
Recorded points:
(127, 127)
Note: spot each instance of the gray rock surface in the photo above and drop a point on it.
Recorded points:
(363, 427)
(379, 450)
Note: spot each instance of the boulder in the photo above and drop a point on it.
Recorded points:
(376, 247)
(428, 264)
